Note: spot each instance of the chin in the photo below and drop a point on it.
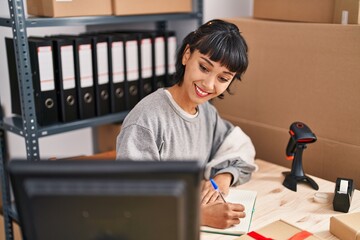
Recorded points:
(201, 100)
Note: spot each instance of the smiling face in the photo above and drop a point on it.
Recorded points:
(204, 79)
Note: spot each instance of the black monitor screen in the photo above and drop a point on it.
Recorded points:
(98, 200)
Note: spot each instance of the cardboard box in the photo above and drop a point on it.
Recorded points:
(135, 7)
(279, 230)
(353, 11)
(346, 226)
(72, 8)
(300, 72)
(320, 11)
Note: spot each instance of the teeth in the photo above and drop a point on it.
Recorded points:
(201, 92)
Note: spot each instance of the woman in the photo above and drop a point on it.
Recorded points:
(179, 123)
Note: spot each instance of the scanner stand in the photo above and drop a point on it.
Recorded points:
(297, 173)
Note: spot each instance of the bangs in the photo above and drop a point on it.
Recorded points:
(225, 49)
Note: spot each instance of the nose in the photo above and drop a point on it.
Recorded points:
(209, 83)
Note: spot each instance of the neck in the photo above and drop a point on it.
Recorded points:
(182, 99)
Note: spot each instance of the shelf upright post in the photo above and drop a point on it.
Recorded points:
(5, 186)
(198, 6)
(23, 65)
(6, 201)
(18, 23)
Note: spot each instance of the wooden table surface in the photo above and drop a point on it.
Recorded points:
(274, 202)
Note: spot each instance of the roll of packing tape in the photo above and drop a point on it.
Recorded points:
(321, 197)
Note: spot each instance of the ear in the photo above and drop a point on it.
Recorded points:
(186, 55)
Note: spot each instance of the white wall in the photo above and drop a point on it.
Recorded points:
(80, 142)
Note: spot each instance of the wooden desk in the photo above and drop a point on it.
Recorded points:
(274, 201)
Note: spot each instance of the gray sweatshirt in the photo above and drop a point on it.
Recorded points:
(158, 129)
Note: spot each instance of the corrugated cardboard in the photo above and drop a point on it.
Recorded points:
(301, 72)
(134, 7)
(325, 158)
(72, 8)
(346, 226)
(320, 11)
(278, 230)
(351, 6)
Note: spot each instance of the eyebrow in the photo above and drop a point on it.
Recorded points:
(209, 62)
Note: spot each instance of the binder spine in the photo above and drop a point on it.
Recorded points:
(116, 53)
(84, 77)
(64, 63)
(132, 71)
(41, 54)
(146, 85)
(171, 45)
(101, 74)
(160, 63)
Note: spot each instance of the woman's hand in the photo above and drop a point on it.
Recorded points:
(221, 215)
(208, 193)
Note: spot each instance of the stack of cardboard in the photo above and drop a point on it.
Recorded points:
(55, 8)
(305, 72)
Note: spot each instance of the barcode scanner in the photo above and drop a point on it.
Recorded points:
(300, 136)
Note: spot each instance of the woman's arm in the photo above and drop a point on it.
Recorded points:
(136, 143)
(235, 156)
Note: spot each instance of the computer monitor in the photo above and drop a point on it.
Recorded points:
(98, 200)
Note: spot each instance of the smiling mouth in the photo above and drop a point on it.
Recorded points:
(200, 92)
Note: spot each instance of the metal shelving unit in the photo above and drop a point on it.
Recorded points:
(26, 124)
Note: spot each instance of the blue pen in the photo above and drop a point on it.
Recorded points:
(213, 183)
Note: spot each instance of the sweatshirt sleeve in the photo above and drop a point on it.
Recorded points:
(136, 143)
(235, 155)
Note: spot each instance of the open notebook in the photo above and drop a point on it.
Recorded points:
(246, 198)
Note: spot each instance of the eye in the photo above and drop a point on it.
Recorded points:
(203, 68)
(223, 79)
